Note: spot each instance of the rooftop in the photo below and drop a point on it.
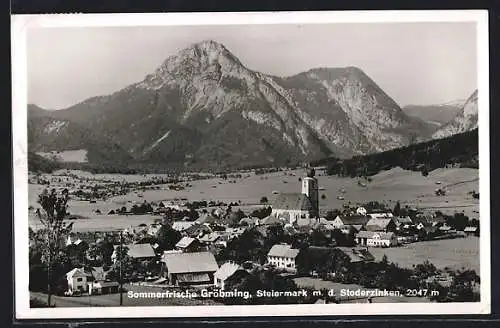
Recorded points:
(283, 250)
(190, 262)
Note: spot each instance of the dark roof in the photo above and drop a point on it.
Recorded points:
(227, 270)
(292, 201)
(283, 250)
(185, 242)
(139, 250)
(355, 219)
(190, 262)
(383, 223)
(371, 234)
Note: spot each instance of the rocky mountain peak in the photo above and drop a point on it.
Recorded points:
(465, 120)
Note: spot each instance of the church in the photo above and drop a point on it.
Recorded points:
(294, 206)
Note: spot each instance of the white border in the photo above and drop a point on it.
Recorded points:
(20, 24)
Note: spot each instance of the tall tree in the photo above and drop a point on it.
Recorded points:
(54, 230)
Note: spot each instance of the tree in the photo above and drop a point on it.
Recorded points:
(397, 209)
(168, 237)
(94, 252)
(54, 230)
(123, 263)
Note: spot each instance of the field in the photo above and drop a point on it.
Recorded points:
(70, 156)
(410, 188)
(451, 253)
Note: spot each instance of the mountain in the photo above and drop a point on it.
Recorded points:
(435, 114)
(202, 108)
(465, 120)
(47, 133)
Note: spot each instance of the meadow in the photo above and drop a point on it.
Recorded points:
(410, 188)
(445, 253)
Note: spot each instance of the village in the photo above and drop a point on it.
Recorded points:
(287, 243)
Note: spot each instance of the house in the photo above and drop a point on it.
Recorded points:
(272, 220)
(153, 229)
(193, 268)
(228, 271)
(77, 243)
(209, 238)
(357, 221)
(77, 281)
(376, 239)
(294, 206)
(98, 284)
(403, 222)
(103, 287)
(437, 220)
(283, 256)
(139, 252)
(310, 222)
(187, 244)
(445, 228)
(380, 215)
(471, 231)
(235, 232)
(196, 230)
(381, 224)
(182, 225)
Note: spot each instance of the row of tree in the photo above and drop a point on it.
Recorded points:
(423, 157)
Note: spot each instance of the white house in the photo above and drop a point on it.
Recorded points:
(357, 221)
(376, 239)
(380, 215)
(225, 272)
(77, 281)
(283, 256)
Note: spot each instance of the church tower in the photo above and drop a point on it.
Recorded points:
(310, 189)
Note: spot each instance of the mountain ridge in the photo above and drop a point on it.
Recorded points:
(203, 108)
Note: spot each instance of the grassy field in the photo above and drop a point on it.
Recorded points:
(451, 253)
(410, 188)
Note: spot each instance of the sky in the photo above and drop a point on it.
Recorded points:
(414, 63)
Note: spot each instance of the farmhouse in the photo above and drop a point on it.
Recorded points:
(471, 231)
(294, 205)
(356, 221)
(187, 244)
(194, 268)
(228, 271)
(77, 281)
(181, 225)
(98, 284)
(380, 215)
(136, 251)
(381, 224)
(403, 222)
(376, 239)
(283, 256)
